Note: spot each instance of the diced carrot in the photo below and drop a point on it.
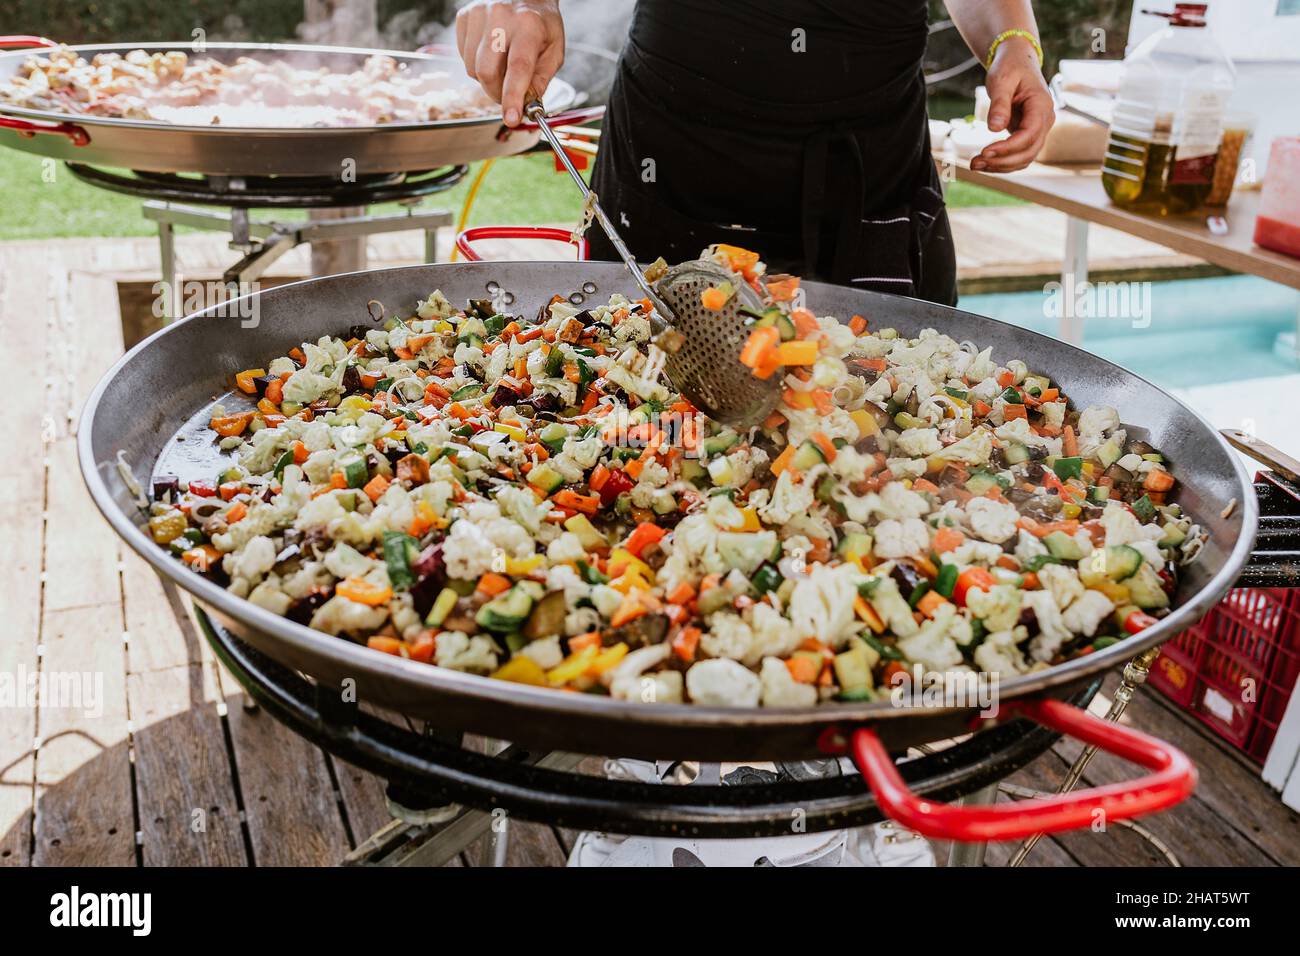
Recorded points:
(228, 426)
(1014, 411)
(493, 584)
(375, 487)
(580, 642)
(862, 607)
(296, 354)
(1006, 379)
(947, 539)
(413, 468)
(1069, 443)
(925, 484)
(740, 260)
(803, 669)
(388, 645)
(631, 609)
(275, 392)
(238, 512)
(857, 325)
(783, 290)
(300, 453)
(245, 378)
(797, 353)
(1159, 480)
(599, 476)
(821, 400)
(363, 591)
(930, 603)
(1049, 395)
(422, 647)
(871, 364)
(759, 344)
(568, 498)
(980, 408)
(713, 298)
(1030, 582)
(642, 536)
(684, 593)
(782, 461)
(684, 644)
(824, 445)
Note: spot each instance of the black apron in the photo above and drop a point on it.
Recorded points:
(795, 128)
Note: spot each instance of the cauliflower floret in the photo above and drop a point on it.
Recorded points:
(253, 561)
(345, 561)
(269, 596)
(901, 539)
(899, 502)
(567, 547)
(722, 683)
(998, 607)
(932, 647)
(974, 552)
(821, 604)
(1062, 582)
(891, 607)
(774, 636)
(1028, 546)
(460, 652)
(545, 653)
(998, 653)
(1052, 632)
(993, 521)
(1053, 413)
(728, 636)
(1096, 421)
(974, 449)
(338, 615)
(779, 689)
(917, 442)
(1085, 615)
(788, 499)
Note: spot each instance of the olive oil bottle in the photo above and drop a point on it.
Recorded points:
(1168, 120)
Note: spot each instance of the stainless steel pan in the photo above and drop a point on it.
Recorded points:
(153, 405)
(231, 151)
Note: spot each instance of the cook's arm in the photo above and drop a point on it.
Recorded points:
(1019, 97)
(511, 46)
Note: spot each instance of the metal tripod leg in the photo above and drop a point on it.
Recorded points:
(972, 854)
(167, 254)
(1135, 675)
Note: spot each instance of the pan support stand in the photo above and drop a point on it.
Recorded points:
(263, 242)
(1135, 675)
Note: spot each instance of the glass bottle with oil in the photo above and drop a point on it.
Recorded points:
(1168, 121)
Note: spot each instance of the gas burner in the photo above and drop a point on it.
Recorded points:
(273, 192)
(263, 242)
(443, 795)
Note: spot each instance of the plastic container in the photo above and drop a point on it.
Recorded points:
(1236, 669)
(1277, 226)
(1238, 128)
(1167, 124)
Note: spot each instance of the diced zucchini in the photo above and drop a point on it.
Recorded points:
(1016, 453)
(467, 391)
(1067, 468)
(1122, 561)
(1109, 453)
(691, 469)
(1099, 494)
(981, 482)
(443, 605)
(400, 549)
(720, 471)
(853, 668)
(766, 578)
(1063, 546)
(587, 534)
(545, 477)
(807, 456)
(1175, 534)
(855, 543)
(1147, 588)
(718, 444)
(506, 612)
(354, 468)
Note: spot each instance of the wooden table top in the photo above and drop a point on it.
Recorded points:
(1077, 191)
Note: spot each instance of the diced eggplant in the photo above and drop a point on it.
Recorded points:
(906, 577)
(543, 402)
(1120, 476)
(351, 379)
(166, 488)
(547, 617)
(429, 564)
(1139, 447)
(504, 395)
(302, 609)
(644, 631)
(261, 382)
(358, 331)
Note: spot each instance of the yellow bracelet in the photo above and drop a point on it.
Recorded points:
(1008, 34)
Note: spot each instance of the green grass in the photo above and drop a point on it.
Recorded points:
(522, 190)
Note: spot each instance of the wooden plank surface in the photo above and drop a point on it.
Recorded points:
(23, 289)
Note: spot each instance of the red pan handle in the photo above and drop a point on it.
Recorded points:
(513, 232)
(6, 42)
(1173, 780)
(74, 132)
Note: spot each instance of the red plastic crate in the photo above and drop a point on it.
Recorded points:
(1235, 670)
(1174, 671)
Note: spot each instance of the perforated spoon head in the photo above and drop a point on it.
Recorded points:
(706, 367)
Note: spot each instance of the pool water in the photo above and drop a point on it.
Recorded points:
(1200, 332)
(1210, 342)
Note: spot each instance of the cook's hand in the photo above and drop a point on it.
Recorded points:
(1020, 102)
(510, 46)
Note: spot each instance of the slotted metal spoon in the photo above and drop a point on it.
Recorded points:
(702, 346)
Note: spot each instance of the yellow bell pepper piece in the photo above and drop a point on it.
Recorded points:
(519, 567)
(514, 432)
(622, 560)
(866, 423)
(521, 670)
(572, 667)
(751, 520)
(607, 659)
